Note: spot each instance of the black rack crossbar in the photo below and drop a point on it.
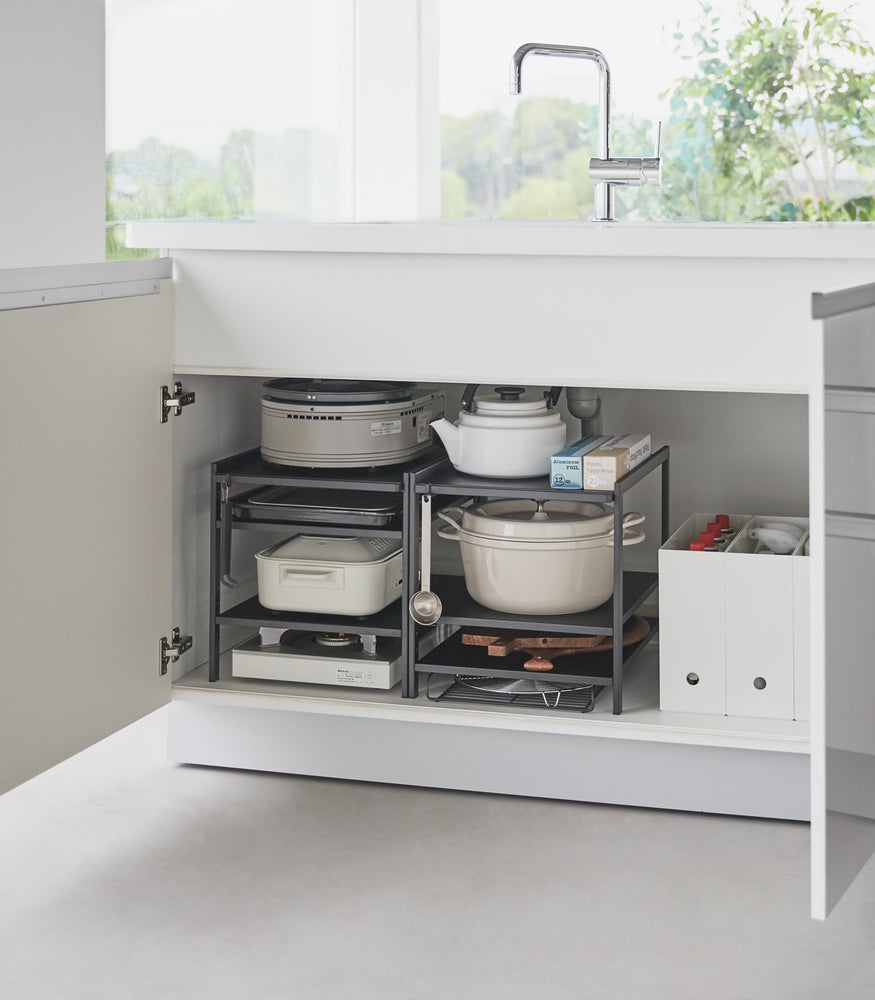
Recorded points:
(252, 613)
(578, 699)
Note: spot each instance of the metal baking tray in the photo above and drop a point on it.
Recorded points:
(314, 506)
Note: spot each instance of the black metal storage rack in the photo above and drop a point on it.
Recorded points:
(631, 588)
(235, 476)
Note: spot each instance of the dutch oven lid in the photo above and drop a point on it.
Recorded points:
(336, 390)
(539, 520)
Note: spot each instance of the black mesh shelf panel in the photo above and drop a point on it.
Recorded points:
(569, 698)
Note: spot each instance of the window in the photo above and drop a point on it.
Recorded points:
(387, 110)
(223, 109)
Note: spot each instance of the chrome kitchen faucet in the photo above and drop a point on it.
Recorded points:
(605, 171)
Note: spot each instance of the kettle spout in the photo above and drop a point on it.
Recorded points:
(449, 434)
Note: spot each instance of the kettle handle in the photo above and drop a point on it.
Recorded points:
(552, 396)
(468, 397)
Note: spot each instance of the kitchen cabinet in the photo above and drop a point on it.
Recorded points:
(91, 604)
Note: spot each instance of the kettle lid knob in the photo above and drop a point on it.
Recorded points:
(509, 392)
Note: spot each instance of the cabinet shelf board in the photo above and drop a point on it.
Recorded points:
(456, 657)
(459, 608)
(641, 719)
(252, 613)
(449, 481)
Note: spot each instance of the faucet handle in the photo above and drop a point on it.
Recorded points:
(651, 167)
(629, 171)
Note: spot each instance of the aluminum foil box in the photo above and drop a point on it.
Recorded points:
(566, 467)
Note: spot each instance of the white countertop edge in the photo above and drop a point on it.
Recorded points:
(828, 304)
(180, 368)
(602, 727)
(789, 240)
(53, 276)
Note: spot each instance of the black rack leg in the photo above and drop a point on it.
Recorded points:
(617, 673)
(406, 571)
(215, 584)
(410, 541)
(666, 513)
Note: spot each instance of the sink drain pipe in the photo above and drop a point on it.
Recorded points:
(586, 405)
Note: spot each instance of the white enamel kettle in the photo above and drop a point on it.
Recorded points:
(505, 434)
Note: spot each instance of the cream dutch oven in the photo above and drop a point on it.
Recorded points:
(538, 558)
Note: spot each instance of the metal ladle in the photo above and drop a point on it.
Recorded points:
(425, 607)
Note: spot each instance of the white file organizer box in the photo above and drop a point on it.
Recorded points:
(692, 621)
(766, 626)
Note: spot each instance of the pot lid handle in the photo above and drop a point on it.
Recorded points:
(552, 396)
(468, 397)
(539, 513)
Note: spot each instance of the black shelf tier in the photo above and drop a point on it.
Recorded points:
(252, 613)
(459, 608)
(250, 468)
(449, 481)
(299, 528)
(455, 657)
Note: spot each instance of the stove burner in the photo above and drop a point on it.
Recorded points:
(338, 640)
(337, 390)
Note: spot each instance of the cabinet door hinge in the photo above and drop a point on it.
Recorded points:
(174, 400)
(170, 651)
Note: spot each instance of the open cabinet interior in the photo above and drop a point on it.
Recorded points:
(732, 452)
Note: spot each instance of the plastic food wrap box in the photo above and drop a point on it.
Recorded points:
(733, 624)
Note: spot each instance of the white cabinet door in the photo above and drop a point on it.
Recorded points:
(86, 506)
(843, 592)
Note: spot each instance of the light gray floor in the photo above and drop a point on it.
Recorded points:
(126, 877)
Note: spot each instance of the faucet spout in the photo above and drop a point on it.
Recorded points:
(604, 192)
(605, 171)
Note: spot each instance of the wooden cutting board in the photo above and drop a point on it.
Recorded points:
(546, 648)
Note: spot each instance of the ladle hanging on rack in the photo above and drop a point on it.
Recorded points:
(425, 606)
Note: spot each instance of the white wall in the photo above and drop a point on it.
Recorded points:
(52, 175)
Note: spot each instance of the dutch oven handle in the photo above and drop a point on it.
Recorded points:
(632, 536)
(452, 533)
(632, 518)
